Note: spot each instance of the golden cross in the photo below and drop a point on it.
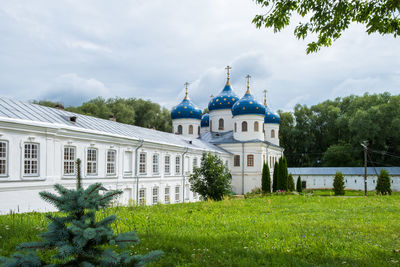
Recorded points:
(227, 70)
(186, 90)
(248, 84)
(265, 97)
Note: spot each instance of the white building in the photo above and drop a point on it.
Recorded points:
(39, 146)
(322, 178)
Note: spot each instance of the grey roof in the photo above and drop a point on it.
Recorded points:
(344, 170)
(227, 138)
(31, 112)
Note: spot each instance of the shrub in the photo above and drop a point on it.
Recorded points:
(338, 184)
(275, 177)
(299, 186)
(290, 183)
(212, 180)
(383, 183)
(266, 179)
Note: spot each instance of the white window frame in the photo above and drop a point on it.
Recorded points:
(142, 196)
(31, 160)
(177, 194)
(142, 164)
(155, 196)
(167, 164)
(68, 162)
(194, 164)
(250, 160)
(92, 162)
(178, 165)
(126, 172)
(5, 158)
(111, 163)
(156, 163)
(167, 195)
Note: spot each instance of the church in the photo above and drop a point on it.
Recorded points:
(39, 146)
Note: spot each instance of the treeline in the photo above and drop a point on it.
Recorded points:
(133, 111)
(330, 133)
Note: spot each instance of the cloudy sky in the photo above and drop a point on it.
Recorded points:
(73, 50)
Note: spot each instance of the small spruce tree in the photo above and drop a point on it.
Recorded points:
(285, 185)
(383, 183)
(299, 187)
(338, 184)
(266, 179)
(275, 177)
(76, 238)
(290, 183)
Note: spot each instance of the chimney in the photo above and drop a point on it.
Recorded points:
(112, 118)
(59, 106)
(72, 119)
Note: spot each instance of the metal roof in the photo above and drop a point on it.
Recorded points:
(36, 113)
(345, 170)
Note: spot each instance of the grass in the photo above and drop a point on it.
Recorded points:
(289, 230)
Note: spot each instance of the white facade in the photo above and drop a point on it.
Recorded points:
(221, 120)
(186, 127)
(271, 131)
(248, 127)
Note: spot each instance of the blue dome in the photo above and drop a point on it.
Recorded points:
(225, 99)
(247, 105)
(205, 120)
(186, 110)
(271, 117)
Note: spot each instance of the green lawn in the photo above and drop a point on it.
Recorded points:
(274, 230)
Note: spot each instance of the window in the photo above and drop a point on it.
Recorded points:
(236, 161)
(167, 197)
(244, 126)
(194, 163)
(155, 195)
(155, 164)
(128, 163)
(256, 126)
(91, 157)
(31, 159)
(142, 196)
(180, 129)
(177, 194)
(3, 158)
(187, 191)
(198, 130)
(69, 160)
(221, 124)
(211, 125)
(272, 133)
(177, 165)
(194, 195)
(190, 129)
(235, 126)
(250, 160)
(111, 162)
(142, 163)
(167, 164)
(227, 163)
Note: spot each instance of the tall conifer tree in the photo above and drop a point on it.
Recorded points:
(266, 179)
(275, 177)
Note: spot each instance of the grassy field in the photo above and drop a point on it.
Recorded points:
(275, 230)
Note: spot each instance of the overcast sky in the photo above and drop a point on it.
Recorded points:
(74, 50)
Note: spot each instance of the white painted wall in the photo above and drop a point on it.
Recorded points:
(185, 127)
(250, 134)
(268, 127)
(216, 115)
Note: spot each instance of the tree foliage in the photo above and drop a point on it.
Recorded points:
(275, 177)
(329, 19)
(133, 111)
(76, 238)
(338, 184)
(282, 177)
(326, 133)
(266, 179)
(299, 186)
(290, 183)
(212, 179)
(383, 184)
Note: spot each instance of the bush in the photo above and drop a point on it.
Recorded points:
(299, 186)
(275, 177)
(383, 184)
(290, 183)
(212, 180)
(266, 179)
(338, 184)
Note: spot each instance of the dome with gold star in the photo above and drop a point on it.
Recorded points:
(186, 109)
(226, 98)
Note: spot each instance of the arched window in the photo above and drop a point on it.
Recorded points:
(198, 130)
(211, 125)
(221, 124)
(190, 129)
(235, 127)
(272, 133)
(256, 126)
(244, 126)
(180, 129)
